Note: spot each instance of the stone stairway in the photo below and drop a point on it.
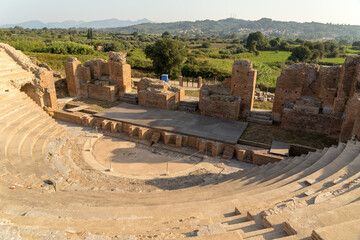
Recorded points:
(261, 117)
(188, 106)
(11, 71)
(58, 195)
(25, 131)
(130, 98)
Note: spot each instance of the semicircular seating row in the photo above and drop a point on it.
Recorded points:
(312, 196)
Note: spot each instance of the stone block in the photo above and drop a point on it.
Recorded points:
(159, 94)
(262, 157)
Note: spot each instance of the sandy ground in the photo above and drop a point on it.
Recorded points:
(139, 167)
(131, 158)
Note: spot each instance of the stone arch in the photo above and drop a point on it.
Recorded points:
(33, 92)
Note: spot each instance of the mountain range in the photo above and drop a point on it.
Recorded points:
(269, 27)
(107, 23)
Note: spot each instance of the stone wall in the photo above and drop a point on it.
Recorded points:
(319, 99)
(217, 101)
(232, 99)
(243, 82)
(312, 123)
(43, 87)
(100, 76)
(107, 93)
(159, 94)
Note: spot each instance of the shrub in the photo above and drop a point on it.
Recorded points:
(69, 48)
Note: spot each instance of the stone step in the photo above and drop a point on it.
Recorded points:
(189, 106)
(11, 70)
(248, 225)
(260, 121)
(343, 231)
(263, 234)
(18, 76)
(254, 115)
(261, 113)
(130, 98)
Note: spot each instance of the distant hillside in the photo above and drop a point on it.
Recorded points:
(107, 23)
(311, 30)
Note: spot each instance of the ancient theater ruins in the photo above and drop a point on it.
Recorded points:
(143, 161)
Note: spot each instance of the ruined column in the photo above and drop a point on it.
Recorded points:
(120, 71)
(350, 126)
(243, 83)
(181, 81)
(48, 88)
(72, 76)
(199, 82)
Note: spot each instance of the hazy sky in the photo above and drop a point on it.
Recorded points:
(326, 11)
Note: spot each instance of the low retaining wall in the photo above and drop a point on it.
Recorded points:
(228, 151)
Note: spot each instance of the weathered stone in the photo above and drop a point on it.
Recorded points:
(118, 57)
(234, 97)
(217, 101)
(159, 94)
(319, 99)
(243, 82)
(36, 80)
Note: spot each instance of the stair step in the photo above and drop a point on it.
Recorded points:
(260, 116)
(261, 113)
(130, 98)
(248, 225)
(190, 106)
(18, 76)
(260, 121)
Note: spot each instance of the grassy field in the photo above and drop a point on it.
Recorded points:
(56, 61)
(192, 93)
(350, 51)
(332, 60)
(266, 134)
(263, 105)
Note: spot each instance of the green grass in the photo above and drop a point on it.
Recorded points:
(192, 93)
(56, 61)
(220, 45)
(267, 57)
(332, 61)
(263, 105)
(350, 51)
(268, 61)
(266, 134)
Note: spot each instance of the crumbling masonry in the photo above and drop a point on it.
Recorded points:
(37, 81)
(232, 99)
(320, 99)
(99, 79)
(159, 94)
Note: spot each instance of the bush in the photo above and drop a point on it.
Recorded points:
(206, 45)
(69, 48)
(300, 54)
(137, 59)
(195, 68)
(29, 46)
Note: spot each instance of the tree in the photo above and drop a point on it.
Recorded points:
(356, 45)
(168, 56)
(255, 41)
(206, 45)
(300, 54)
(165, 34)
(275, 42)
(89, 34)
